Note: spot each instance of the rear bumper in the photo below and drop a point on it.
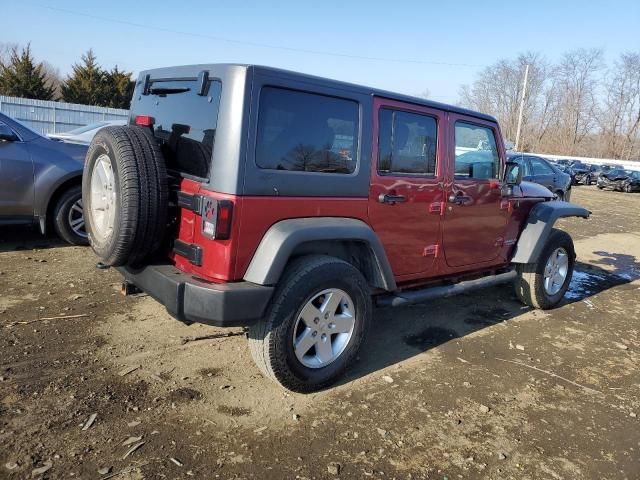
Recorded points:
(191, 300)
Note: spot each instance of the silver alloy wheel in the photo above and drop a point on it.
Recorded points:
(76, 219)
(556, 271)
(324, 328)
(103, 198)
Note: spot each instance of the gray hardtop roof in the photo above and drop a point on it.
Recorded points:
(219, 68)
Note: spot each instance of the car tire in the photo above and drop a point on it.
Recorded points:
(125, 195)
(587, 180)
(308, 284)
(627, 188)
(560, 195)
(543, 283)
(68, 217)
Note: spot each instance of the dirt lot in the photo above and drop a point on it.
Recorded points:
(476, 386)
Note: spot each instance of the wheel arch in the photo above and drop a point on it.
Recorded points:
(48, 202)
(540, 222)
(349, 239)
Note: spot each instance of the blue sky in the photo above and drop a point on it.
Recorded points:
(435, 45)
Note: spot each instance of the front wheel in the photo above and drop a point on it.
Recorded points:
(315, 326)
(68, 217)
(543, 283)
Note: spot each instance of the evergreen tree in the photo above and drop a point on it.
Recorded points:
(119, 88)
(87, 83)
(21, 76)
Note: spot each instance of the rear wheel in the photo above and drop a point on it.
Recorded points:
(543, 283)
(69, 217)
(315, 326)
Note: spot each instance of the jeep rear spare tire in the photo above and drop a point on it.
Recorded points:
(317, 321)
(125, 195)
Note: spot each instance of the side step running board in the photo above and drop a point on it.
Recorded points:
(419, 296)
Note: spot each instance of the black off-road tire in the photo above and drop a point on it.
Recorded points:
(529, 284)
(271, 339)
(141, 195)
(61, 217)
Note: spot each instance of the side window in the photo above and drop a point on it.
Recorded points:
(407, 143)
(476, 153)
(306, 132)
(7, 131)
(540, 167)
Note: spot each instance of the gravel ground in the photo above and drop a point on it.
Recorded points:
(476, 386)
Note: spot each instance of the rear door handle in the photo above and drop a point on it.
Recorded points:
(459, 199)
(391, 199)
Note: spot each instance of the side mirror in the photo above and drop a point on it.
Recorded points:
(513, 173)
(6, 134)
(512, 176)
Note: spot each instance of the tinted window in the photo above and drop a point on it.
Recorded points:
(540, 167)
(476, 153)
(406, 143)
(184, 122)
(306, 132)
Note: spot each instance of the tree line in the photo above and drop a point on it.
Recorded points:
(577, 106)
(88, 83)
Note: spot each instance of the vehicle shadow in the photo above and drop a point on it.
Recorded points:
(15, 238)
(398, 334)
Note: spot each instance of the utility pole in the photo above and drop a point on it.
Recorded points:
(524, 94)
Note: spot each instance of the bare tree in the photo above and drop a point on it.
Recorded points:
(53, 78)
(5, 51)
(498, 89)
(619, 118)
(577, 79)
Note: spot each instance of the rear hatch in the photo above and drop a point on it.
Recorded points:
(182, 113)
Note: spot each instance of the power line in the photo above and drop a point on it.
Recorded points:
(248, 43)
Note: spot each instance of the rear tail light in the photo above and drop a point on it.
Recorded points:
(216, 218)
(144, 120)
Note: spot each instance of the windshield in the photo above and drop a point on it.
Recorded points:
(27, 127)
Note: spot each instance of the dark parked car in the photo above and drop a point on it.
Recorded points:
(621, 180)
(40, 181)
(582, 173)
(540, 170)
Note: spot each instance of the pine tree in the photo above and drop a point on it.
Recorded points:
(21, 76)
(119, 88)
(87, 83)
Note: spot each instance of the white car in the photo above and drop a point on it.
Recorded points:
(84, 135)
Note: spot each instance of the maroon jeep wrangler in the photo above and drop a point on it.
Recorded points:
(250, 196)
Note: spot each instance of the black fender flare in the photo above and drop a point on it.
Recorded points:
(541, 220)
(282, 238)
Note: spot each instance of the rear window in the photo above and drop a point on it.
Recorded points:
(184, 122)
(306, 132)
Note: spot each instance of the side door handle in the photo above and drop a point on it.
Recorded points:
(459, 198)
(391, 199)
